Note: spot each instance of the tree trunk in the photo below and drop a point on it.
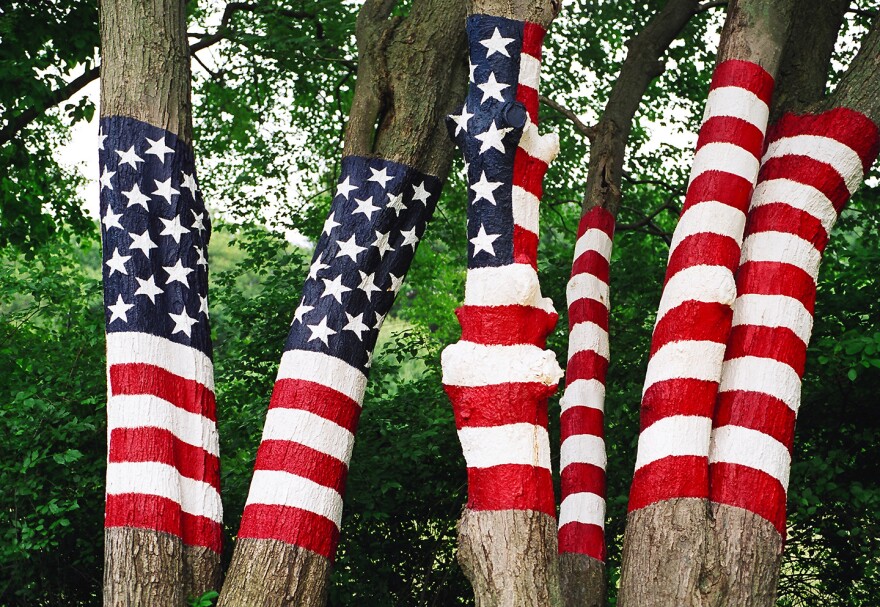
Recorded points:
(163, 516)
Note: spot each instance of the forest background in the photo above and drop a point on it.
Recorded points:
(271, 91)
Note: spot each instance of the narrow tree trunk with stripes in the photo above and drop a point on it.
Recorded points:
(163, 513)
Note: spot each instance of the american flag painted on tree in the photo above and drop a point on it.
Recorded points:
(379, 212)
(163, 470)
(498, 376)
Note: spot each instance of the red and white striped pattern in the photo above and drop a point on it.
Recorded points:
(694, 316)
(302, 463)
(163, 469)
(583, 458)
(812, 166)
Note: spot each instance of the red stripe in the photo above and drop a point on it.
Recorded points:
(505, 325)
(582, 538)
(751, 489)
(757, 411)
(141, 378)
(529, 98)
(525, 247)
(780, 217)
(807, 171)
(693, 321)
(586, 364)
(511, 487)
(669, 478)
(774, 278)
(291, 526)
(588, 310)
(776, 343)
(597, 218)
(528, 173)
(500, 404)
(162, 514)
(298, 459)
(728, 129)
(579, 478)
(533, 39)
(159, 445)
(703, 249)
(744, 74)
(318, 399)
(726, 188)
(592, 262)
(678, 397)
(581, 420)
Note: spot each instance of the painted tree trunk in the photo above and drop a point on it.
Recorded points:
(498, 376)
(163, 513)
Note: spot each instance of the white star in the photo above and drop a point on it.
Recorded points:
(365, 206)
(334, 288)
(368, 284)
(349, 248)
(395, 202)
(119, 310)
(472, 68)
(178, 273)
(148, 287)
(116, 263)
(135, 196)
(409, 238)
(201, 261)
(356, 325)
(142, 242)
(381, 243)
(182, 322)
(420, 193)
(492, 138)
(380, 177)
(380, 318)
(203, 306)
(301, 311)
(483, 242)
(492, 89)
(105, 179)
(329, 224)
(164, 189)
(484, 189)
(395, 283)
(158, 148)
(198, 221)
(101, 138)
(369, 360)
(129, 157)
(316, 267)
(461, 120)
(172, 228)
(321, 331)
(496, 44)
(344, 188)
(189, 182)
(111, 219)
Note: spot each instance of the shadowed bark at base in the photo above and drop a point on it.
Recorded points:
(287, 576)
(582, 580)
(509, 556)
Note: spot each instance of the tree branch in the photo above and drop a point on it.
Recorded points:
(705, 6)
(588, 131)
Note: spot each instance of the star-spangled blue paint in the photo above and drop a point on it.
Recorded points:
(361, 258)
(155, 232)
(495, 49)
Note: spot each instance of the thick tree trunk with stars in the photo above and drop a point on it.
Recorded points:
(498, 376)
(163, 514)
(411, 73)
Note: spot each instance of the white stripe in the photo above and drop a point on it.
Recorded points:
(153, 478)
(187, 362)
(148, 411)
(727, 158)
(588, 336)
(516, 284)
(798, 195)
(325, 370)
(543, 147)
(747, 447)
(587, 508)
(583, 449)
(709, 284)
(593, 239)
(278, 488)
(782, 247)
(765, 375)
(525, 444)
(525, 209)
(529, 71)
(583, 286)
(311, 430)
(773, 311)
(709, 217)
(467, 363)
(841, 157)
(584, 393)
(685, 360)
(675, 435)
(738, 103)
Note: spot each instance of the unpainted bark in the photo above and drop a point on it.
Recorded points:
(142, 567)
(859, 89)
(581, 580)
